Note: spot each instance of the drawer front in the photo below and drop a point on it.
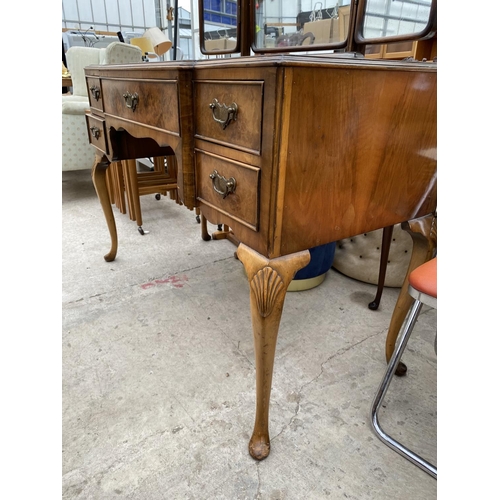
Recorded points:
(153, 103)
(229, 113)
(242, 204)
(95, 93)
(97, 133)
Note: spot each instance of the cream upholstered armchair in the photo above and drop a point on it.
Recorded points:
(77, 153)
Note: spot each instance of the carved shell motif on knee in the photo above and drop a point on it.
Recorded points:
(266, 285)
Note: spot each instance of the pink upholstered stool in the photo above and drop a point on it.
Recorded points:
(423, 288)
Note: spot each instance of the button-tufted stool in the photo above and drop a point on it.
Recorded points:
(359, 257)
(422, 286)
(378, 257)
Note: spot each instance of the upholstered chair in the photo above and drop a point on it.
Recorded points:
(77, 153)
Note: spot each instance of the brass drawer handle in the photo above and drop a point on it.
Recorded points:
(222, 185)
(95, 132)
(223, 114)
(96, 92)
(131, 100)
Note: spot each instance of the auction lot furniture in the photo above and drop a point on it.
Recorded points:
(289, 151)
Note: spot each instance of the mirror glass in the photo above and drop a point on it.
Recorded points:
(293, 25)
(385, 18)
(219, 22)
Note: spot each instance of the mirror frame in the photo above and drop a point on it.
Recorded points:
(429, 31)
(234, 50)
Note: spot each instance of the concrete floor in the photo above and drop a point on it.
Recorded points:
(159, 380)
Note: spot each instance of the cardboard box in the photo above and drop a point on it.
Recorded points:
(230, 43)
(324, 31)
(213, 45)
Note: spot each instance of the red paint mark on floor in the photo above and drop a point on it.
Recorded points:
(177, 281)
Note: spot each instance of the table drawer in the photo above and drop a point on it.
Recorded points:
(153, 103)
(242, 203)
(229, 113)
(95, 93)
(97, 133)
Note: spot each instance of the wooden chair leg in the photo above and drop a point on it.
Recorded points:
(119, 187)
(110, 184)
(161, 180)
(423, 232)
(128, 190)
(384, 257)
(133, 192)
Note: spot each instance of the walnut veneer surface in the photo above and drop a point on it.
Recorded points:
(320, 149)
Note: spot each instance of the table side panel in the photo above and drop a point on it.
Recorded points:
(361, 153)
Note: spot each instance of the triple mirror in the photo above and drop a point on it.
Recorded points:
(231, 26)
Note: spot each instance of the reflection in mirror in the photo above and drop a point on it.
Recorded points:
(220, 19)
(384, 18)
(283, 24)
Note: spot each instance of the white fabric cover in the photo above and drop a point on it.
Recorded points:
(77, 152)
(75, 107)
(359, 257)
(77, 59)
(119, 53)
(75, 98)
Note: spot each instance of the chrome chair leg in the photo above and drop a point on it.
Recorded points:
(377, 403)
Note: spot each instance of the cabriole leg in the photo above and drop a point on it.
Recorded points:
(269, 280)
(99, 179)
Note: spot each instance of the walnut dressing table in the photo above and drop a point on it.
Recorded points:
(288, 151)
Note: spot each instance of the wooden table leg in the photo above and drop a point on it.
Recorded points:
(99, 179)
(225, 233)
(384, 257)
(423, 232)
(204, 228)
(269, 280)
